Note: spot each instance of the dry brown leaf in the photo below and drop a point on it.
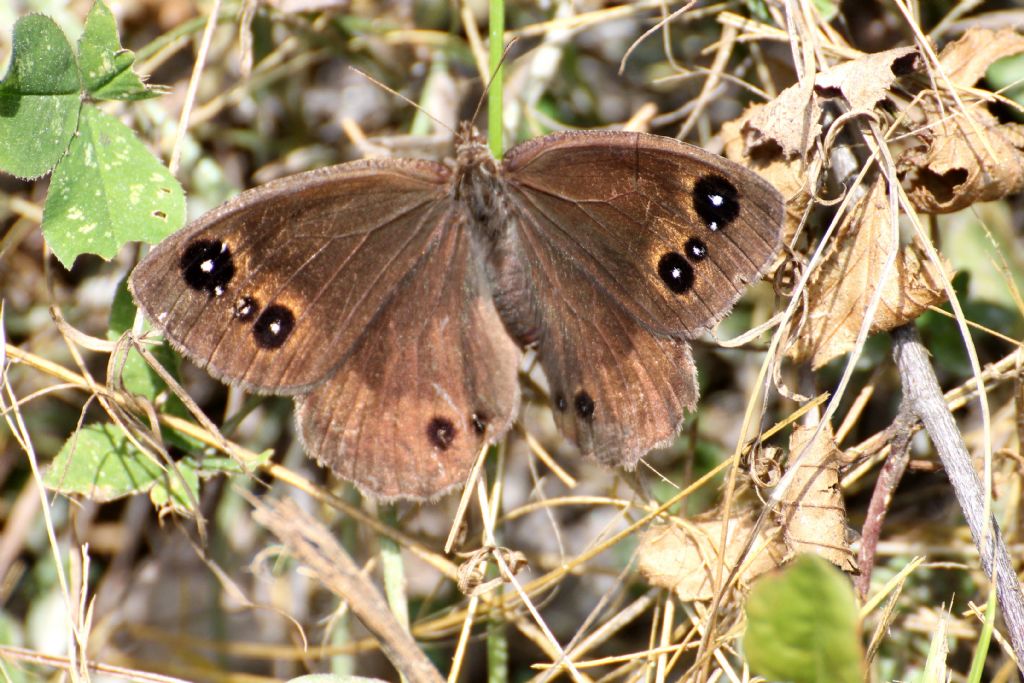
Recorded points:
(866, 81)
(790, 176)
(813, 512)
(961, 160)
(840, 289)
(966, 60)
(684, 560)
(954, 170)
(792, 121)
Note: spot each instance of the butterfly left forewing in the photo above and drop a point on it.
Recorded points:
(670, 232)
(270, 290)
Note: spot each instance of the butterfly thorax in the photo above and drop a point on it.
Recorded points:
(478, 181)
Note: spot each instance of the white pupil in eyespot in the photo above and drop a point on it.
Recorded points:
(716, 199)
(206, 266)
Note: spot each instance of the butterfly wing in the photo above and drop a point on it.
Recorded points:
(271, 290)
(432, 381)
(617, 389)
(670, 232)
(626, 244)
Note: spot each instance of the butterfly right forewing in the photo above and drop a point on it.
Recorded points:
(271, 290)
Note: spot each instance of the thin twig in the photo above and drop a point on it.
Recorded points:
(308, 540)
(924, 397)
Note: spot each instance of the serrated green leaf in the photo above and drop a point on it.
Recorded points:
(106, 66)
(109, 190)
(100, 463)
(802, 625)
(39, 98)
(136, 374)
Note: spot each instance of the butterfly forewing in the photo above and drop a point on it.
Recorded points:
(272, 289)
(672, 233)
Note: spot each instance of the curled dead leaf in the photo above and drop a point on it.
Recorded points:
(960, 163)
(813, 512)
(865, 82)
(790, 176)
(965, 155)
(683, 558)
(966, 60)
(791, 122)
(840, 289)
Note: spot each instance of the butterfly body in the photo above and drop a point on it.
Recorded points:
(391, 297)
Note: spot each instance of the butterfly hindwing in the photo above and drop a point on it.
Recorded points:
(617, 390)
(430, 383)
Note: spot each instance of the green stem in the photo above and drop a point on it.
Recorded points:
(495, 128)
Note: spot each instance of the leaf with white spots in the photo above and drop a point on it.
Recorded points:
(100, 463)
(106, 66)
(109, 190)
(39, 98)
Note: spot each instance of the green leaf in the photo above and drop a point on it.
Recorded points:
(39, 98)
(100, 463)
(139, 378)
(215, 464)
(107, 191)
(802, 625)
(1007, 74)
(136, 375)
(179, 490)
(106, 66)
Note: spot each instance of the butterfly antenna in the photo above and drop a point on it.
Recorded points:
(400, 96)
(494, 73)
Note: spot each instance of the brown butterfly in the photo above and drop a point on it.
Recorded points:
(391, 297)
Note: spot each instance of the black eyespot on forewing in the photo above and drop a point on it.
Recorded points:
(584, 405)
(441, 433)
(676, 272)
(272, 329)
(716, 201)
(207, 266)
(245, 309)
(696, 250)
